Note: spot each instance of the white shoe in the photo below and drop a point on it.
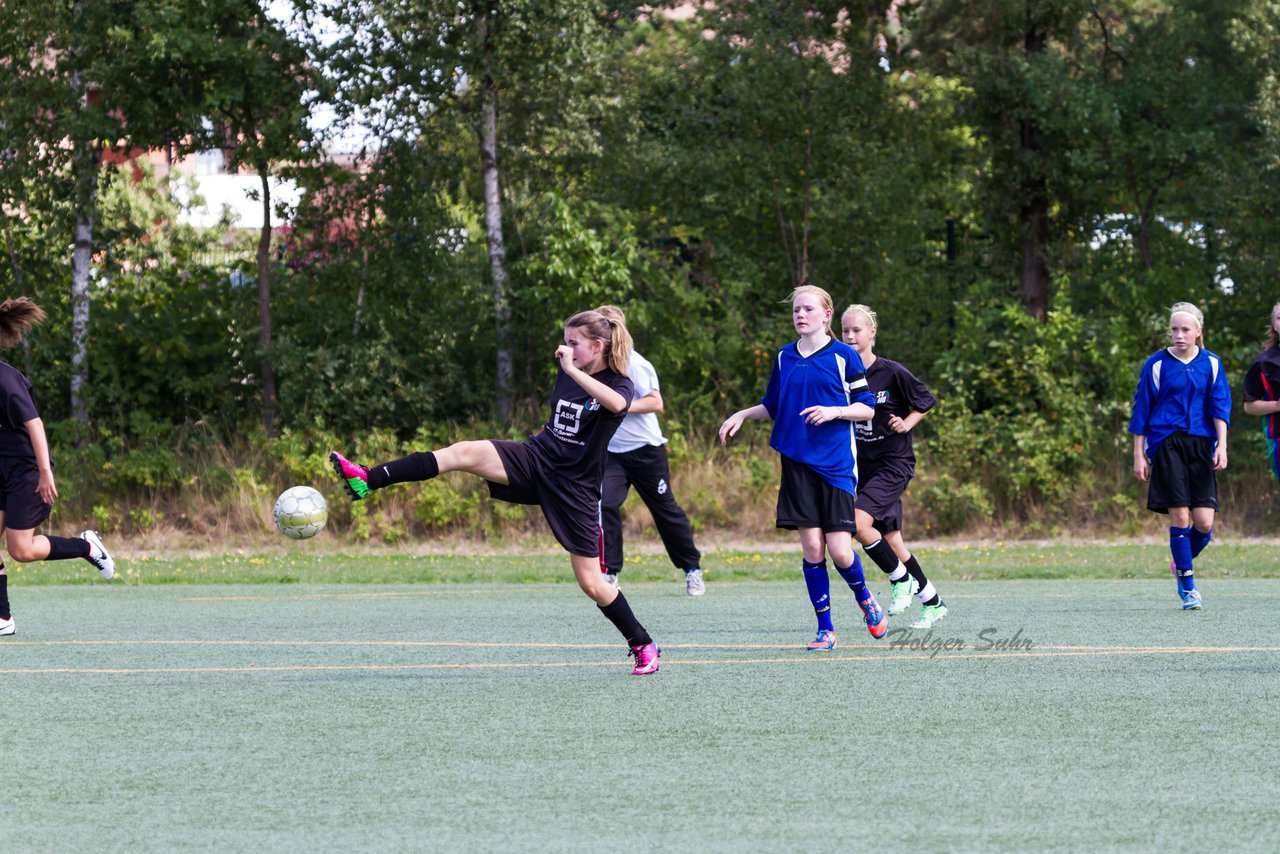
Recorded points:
(6, 627)
(693, 583)
(610, 578)
(102, 560)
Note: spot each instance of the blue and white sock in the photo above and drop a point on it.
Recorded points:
(853, 576)
(819, 584)
(1180, 548)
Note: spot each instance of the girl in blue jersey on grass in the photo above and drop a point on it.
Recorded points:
(817, 389)
(1181, 411)
(1262, 389)
(560, 468)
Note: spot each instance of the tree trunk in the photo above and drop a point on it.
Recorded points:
(1033, 212)
(493, 222)
(264, 308)
(87, 159)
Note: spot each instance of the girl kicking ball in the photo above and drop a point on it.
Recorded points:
(559, 469)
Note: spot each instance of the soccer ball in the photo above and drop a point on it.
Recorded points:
(301, 512)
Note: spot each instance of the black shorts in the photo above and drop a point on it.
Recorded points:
(1182, 474)
(805, 500)
(880, 490)
(23, 509)
(571, 509)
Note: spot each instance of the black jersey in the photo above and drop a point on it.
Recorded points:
(1262, 382)
(575, 440)
(897, 392)
(19, 407)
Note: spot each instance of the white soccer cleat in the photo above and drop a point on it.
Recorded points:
(6, 627)
(693, 583)
(99, 556)
(901, 594)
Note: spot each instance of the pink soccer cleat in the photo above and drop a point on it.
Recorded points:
(646, 659)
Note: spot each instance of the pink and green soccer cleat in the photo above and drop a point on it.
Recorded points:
(355, 478)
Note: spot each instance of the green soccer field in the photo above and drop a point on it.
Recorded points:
(1040, 715)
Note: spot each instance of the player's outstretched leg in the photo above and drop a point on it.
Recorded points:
(99, 556)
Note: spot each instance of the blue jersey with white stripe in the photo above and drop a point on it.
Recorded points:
(1174, 396)
(831, 376)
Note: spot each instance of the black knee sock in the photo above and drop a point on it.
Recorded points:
(881, 554)
(416, 466)
(65, 548)
(928, 595)
(4, 595)
(619, 613)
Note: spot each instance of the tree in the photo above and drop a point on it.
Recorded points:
(257, 101)
(415, 70)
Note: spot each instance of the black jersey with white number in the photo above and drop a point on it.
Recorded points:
(17, 407)
(575, 440)
(897, 392)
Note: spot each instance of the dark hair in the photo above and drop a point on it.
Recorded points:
(610, 330)
(16, 317)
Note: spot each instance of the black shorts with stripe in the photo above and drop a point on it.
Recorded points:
(1182, 474)
(571, 509)
(805, 500)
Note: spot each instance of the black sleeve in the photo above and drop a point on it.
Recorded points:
(917, 393)
(1253, 389)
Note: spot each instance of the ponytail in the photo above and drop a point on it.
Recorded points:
(611, 330)
(16, 317)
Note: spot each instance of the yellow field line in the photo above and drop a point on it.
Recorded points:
(806, 659)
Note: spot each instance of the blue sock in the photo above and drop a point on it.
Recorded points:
(853, 576)
(819, 584)
(1180, 548)
(1199, 539)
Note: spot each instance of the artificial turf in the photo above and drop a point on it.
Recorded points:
(502, 717)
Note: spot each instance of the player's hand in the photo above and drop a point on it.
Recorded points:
(897, 425)
(564, 355)
(45, 488)
(820, 414)
(1142, 469)
(730, 427)
(1220, 458)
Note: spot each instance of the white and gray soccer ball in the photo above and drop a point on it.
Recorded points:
(301, 512)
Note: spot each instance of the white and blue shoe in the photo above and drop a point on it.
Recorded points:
(1190, 599)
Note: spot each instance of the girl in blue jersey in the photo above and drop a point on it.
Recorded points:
(817, 389)
(886, 464)
(1181, 411)
(1262, 389)
(559, 469)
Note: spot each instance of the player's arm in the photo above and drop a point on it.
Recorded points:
(734, 422)
(609, 399)
(1141, 468)
(651, 402)
(45, 488)
(1261, 407)
(906, 425)
(1220, 452)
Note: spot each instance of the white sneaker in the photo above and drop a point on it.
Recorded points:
(693, 583)
(6, 627)
(102, 560)
(610, 578)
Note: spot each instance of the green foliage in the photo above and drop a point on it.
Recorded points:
(1020, 405)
